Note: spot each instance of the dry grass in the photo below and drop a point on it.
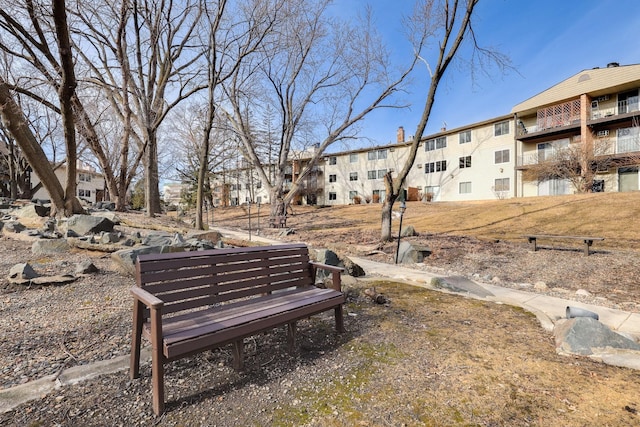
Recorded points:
(608, 215)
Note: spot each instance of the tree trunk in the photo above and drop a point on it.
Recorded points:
(387, 208)
(152, 193)
(17, 125)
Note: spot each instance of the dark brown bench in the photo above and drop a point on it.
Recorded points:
(279, 221)
(189, 302)
(588, 241)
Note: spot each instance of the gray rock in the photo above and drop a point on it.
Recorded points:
(586, 336)
(210, 236)
(33, 211)
(409, 253)
(49, 246)
(111, 216)
(352, 268)
(325, 256)
(158, 238)
(112, 237)
(22, 271)
(86, 267)
(125, 259)
(14, 226)
(85, 224)
(408, 231)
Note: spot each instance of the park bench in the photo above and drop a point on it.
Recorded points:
(278, 221)
(189, 302)
(588, 241)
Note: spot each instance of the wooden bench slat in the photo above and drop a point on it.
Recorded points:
(180, 329)
(241, 327)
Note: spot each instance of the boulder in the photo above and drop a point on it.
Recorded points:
(409, 253)
(125, 259)
(325, 256)
(586, 336)
(158, 238)
(112, 237)
(14, 226)
(86, 267)
(21, 272)
(352, 268)
(49, 246)
(210, 236)
(408, 231)
(85, 224)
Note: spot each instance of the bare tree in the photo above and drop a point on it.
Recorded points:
(448, 23)
(34, 47)
(321, 77)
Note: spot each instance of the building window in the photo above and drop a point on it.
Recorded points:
(501, 184)
(353, 158)
(259, 185)
(84, 177)
(332, 178)
(377, 155)
(333, 196)
(333, 160)
(435, 144)
(353, 176)
(353, 194)
(465, 162)
(259, 199)
(501, 128)
(502, 156)
(465, 137)
(465, 187)
(432, 167)
(371, 174)
(381, 173)
(84, 193)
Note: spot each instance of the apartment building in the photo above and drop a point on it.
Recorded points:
(596, 110)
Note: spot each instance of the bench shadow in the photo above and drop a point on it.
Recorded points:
(267, 355)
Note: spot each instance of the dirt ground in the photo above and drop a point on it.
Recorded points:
(424, 358)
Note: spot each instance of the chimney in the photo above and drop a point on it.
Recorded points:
(400, 134)
(613, 64)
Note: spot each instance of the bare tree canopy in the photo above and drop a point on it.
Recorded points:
(446, 25)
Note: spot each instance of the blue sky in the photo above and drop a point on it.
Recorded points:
(547, 41)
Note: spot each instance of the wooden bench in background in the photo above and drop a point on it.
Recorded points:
(189, 302)
(279, 221)
(588, 241)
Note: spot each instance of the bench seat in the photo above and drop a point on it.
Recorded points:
(219, 325)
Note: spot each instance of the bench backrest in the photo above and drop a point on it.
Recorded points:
(191, 280)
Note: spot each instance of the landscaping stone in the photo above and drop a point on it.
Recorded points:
(586, 336)
(409, 253)
(49, 246)
(22, 271)
(85, 224)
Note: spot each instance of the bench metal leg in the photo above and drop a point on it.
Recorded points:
(532, 240)
(291, 336)
(136, 340)
(238, 355)
(339, 319)
(588, 244)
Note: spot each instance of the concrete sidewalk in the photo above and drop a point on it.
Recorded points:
(547, 309)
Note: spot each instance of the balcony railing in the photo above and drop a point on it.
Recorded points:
(623, 107)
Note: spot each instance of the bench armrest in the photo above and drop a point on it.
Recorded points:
(335, 273)
(146, 298)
